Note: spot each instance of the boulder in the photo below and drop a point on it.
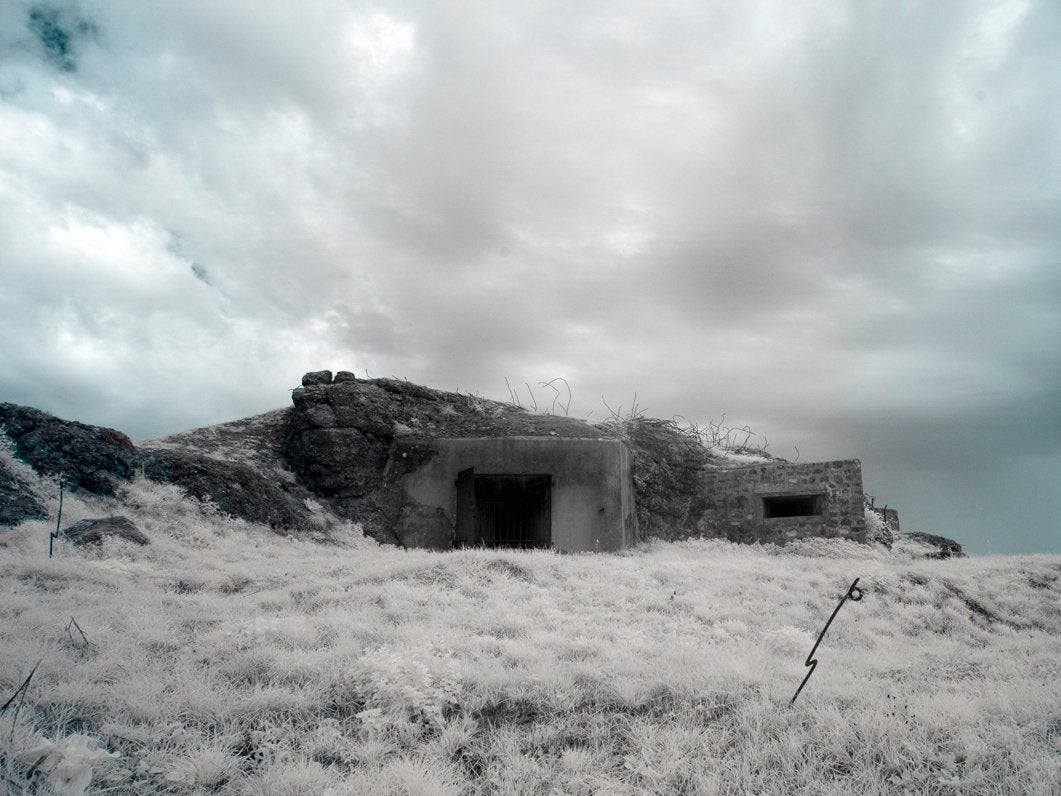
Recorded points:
(944, 547)
(317, 377)
(340, 462)
(236, 489)
(94, 458)
(95, 530)
(17, 503)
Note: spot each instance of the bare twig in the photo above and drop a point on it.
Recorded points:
(20, 690)
(614, 412)
(84, 638)
(534, 402)
(737, 439)
(636, 412)
(551, 384)
(35, 766)
(513, 396)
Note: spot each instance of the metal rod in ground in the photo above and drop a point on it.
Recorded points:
(58, 519)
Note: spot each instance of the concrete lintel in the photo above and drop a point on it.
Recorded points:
(776, 490)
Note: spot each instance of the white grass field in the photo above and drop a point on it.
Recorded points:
(224, 659)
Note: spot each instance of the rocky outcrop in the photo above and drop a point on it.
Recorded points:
(941, 546)
(100, 460)
(96, 530)
(236, 489)
(17, 502)
(317, 377)
(94, 458)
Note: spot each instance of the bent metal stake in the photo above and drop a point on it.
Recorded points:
(855, 594)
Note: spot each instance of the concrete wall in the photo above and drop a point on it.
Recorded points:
(592, 493)
(732, 503)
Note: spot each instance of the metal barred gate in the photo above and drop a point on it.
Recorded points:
(504, 510)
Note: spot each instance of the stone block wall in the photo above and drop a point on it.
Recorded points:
(735, 503)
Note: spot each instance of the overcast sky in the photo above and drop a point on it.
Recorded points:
(835, 222)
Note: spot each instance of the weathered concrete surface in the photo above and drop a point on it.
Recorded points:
(732, 502)
(592, 499)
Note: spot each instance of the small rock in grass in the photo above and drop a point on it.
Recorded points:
(94, 530)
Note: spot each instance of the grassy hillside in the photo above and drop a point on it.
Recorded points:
(224, 659)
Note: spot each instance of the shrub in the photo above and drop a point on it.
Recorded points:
(877, 530)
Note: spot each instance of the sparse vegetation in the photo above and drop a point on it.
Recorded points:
(718, 438)
(877, 530)
(223, 658)
(559, 402)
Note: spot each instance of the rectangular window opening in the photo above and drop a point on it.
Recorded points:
(793, 506)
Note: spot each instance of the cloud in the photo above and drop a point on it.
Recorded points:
(833, 221)
(58, 31)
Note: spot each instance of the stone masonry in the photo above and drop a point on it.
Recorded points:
(781, 501)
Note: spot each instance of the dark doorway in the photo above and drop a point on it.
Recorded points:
(504, 510)
(793, 506)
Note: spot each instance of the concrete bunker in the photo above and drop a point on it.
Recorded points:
(570, 494)
(434, 469)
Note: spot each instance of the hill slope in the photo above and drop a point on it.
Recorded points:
(259, 664)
